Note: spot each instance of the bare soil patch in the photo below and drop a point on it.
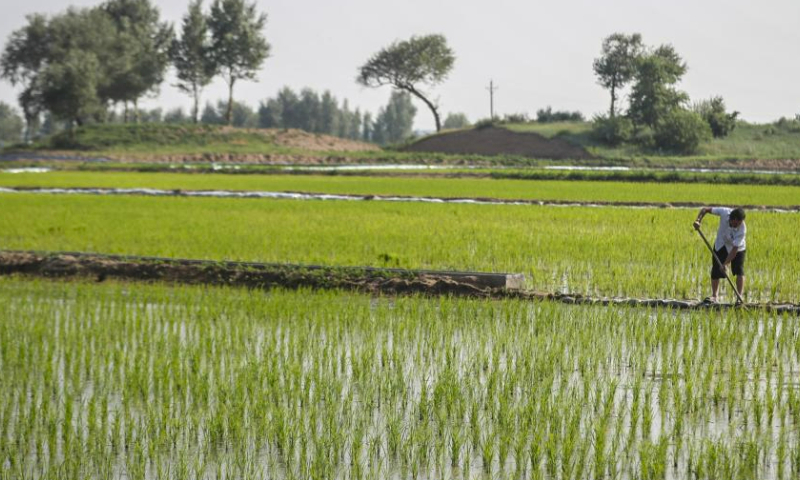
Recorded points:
(500, 141)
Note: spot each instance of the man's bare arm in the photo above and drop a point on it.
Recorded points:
(699, 220)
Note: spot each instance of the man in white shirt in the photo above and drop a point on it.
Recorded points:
(729, 246)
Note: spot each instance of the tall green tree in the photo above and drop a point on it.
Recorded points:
(11, 124)
(270, 113)
(394, 122)
(654, 94)
(69, 87)
(191, 55)
(329, 108)
(142, 48)
(22, 60)
(616, 66)
(409, 65)
(310, 110)
(238, 45)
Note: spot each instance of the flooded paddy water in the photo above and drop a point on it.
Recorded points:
(151, 381)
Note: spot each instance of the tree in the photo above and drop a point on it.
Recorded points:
(456, 120)
(407, 65)
(653, 94)
(238, 48)
(142, 47)
(69, 87)
(23, 58)
(176, 115)
(329, 109)
(395, 122)
(11, 124)
(288, 103)
(191, 55)
(270, 114)
(617, 65)
(367, 126)
(309, 110)
(210, 115)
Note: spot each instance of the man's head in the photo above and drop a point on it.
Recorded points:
(736, 217)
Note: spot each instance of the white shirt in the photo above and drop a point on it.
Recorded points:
(726, 236)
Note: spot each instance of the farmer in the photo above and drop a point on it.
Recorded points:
(729, 246)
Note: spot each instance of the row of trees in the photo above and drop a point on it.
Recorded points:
(307, 111)
(79, 64)
(658, 114)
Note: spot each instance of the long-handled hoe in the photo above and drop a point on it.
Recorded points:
(739, 300)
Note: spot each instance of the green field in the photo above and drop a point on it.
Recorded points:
(426, 187)
(138, 382)
(599, 251)
(131, 381)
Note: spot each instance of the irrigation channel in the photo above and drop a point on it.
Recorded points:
(366, 279)
(152, 192)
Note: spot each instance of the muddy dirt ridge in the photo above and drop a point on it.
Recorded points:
(296, 195)
(500, 141)
(66, 265)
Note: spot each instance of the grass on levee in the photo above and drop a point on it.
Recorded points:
(597, 251)
(778, 140)
(422, 186)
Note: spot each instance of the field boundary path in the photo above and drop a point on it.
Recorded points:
(292, 195)
(365, 279)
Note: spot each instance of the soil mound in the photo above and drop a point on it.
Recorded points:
(300, 139)
(500, 141)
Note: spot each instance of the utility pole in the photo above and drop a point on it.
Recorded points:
(492, 88)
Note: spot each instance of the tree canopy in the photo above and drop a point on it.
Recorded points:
(616, 66)
(190, 54)
(238, 46)
(408, 65)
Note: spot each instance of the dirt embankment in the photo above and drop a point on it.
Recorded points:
(500, 141)
(253, 275)
(265, 276)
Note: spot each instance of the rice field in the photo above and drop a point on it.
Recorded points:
(136, 381)
(775, 195)
(143, 381)
(594, 251)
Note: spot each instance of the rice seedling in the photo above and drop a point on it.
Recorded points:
(151, 381)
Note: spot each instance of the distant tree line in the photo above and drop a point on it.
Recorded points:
(308, 111)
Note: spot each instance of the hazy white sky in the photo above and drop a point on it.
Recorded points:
(539, 53)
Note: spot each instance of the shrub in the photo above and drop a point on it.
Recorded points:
(713, 112)
(485, 123)
(516, 118)
(547, 115)
(681, 131)
(456, 120)
(612, 130)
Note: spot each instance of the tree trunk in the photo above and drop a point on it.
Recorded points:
(229, 113)
(196, 108)
(430, 105)
(613, 98)
(136, 110)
